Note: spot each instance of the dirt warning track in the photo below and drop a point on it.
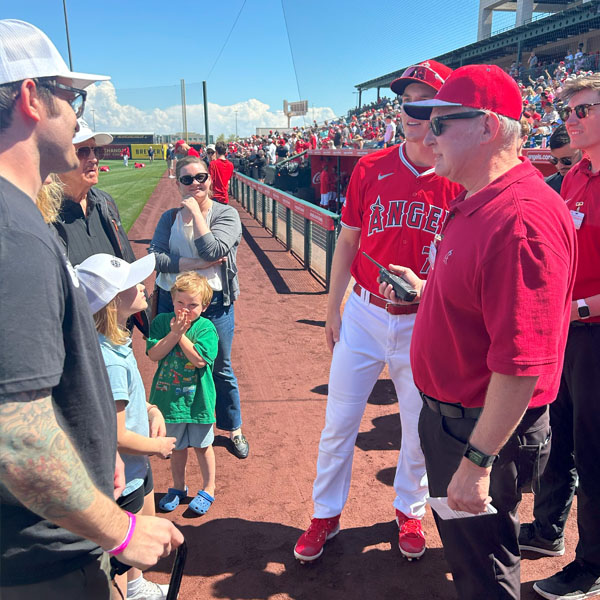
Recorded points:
(243, 548)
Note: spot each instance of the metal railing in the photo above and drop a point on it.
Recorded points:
(306, 230)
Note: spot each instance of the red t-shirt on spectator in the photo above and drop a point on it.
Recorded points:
(193, 152)
(498, 298)
(581, 185)
(325, 182)
(220, 172)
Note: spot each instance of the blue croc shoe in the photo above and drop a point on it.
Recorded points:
(170, 501)
(201, 503)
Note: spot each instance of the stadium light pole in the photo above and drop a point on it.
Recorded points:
(183, 111)
(93, 111)
(205, 112)
(67, 30)
(236, 133)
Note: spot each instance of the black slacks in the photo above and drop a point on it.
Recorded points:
(575, 421)
(483, 552)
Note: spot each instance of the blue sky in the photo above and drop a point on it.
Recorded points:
(148, 46)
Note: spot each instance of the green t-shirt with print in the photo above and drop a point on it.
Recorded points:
(182, 392)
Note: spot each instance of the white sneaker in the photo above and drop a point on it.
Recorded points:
(171, 176)
(149, 590)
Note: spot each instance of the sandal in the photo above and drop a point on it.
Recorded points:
(170, 501)
(201, 503)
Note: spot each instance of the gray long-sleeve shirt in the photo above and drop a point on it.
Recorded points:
(223, 240)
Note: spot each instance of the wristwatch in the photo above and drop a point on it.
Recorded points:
(583, 310)
(479, 458)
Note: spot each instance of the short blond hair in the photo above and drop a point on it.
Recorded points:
(572, 86)
(108, 325)
(194, 284)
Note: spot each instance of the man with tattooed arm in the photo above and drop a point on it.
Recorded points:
(58, 520)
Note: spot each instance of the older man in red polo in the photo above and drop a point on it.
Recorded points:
(490, 334)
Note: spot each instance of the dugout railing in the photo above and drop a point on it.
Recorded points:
(307, 231)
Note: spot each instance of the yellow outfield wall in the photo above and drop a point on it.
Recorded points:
(140, 151)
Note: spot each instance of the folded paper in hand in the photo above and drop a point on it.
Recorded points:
(440, 505)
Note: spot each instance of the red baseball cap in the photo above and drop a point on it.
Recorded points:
(474, 86)
(179, 143)
(429, 71)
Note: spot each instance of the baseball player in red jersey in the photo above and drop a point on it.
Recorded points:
(395, 206)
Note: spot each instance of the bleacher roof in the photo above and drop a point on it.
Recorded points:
(567, 23)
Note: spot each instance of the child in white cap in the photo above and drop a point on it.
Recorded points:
(115, 292)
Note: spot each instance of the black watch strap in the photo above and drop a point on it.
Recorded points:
(479, 458)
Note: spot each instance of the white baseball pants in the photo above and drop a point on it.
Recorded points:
(370, 337)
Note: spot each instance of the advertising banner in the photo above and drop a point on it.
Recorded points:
(540, 158)
(113, 152)
(140, 151)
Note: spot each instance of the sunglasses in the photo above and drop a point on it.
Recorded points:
(74, 96)
(83, 152)
(581, 110)
(189, 179)
(565, 161)
(436, 122)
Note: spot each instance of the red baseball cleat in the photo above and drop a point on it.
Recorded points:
(310, 544)
(411, 539)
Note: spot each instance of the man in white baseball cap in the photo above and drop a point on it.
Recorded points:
(89, 221)
(58, 517)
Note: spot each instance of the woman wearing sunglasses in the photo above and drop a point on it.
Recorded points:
(203, 236)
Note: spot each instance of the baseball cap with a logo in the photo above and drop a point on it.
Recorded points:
(85, 133)
(485, 87)
(430, 72)
(26, 52)
(103, 276)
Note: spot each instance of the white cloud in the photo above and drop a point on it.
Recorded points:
(112, 116)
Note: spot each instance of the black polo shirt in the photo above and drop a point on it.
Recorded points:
(84, 236)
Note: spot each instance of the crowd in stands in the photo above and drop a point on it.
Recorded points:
(541, 82)
(369, 126)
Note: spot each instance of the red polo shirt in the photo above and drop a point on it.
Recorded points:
(580, 185)
(498, 298)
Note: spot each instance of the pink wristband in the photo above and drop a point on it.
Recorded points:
(121, 547)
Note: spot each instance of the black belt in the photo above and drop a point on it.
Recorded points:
(584, 324)
(452, 411)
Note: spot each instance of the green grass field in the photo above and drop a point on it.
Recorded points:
(130, 187)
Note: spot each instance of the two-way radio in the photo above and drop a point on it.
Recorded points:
(403, 290)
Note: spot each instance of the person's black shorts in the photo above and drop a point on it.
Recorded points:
(135, 501)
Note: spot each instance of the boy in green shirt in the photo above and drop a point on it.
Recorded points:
(184, 345)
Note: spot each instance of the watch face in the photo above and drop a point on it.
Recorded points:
(480, 459)
(584, 311)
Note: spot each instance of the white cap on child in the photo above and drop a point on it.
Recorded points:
(104, 276)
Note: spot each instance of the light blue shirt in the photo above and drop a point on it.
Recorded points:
(126, 384)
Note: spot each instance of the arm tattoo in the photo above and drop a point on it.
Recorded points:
(38, 463)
